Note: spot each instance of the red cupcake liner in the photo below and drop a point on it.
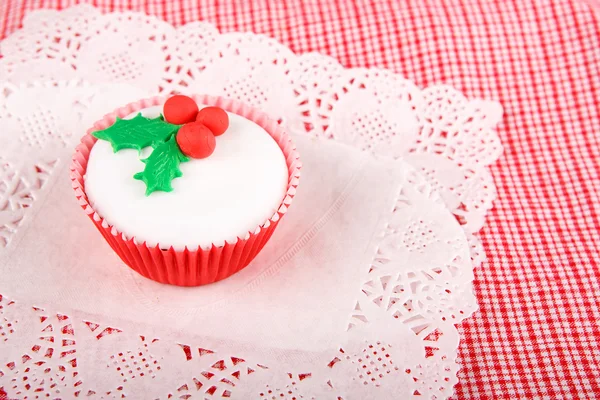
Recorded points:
(190, 267)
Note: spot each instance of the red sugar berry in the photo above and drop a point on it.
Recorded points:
(180, 109)
(215, 119)
(196, 140)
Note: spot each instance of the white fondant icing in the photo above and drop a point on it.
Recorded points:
(217, 199)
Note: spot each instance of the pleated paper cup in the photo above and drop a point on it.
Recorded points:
(198, 266)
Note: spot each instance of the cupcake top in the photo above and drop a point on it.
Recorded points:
(192, 188)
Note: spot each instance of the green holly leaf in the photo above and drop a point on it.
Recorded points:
(136, 133)
(162, 166)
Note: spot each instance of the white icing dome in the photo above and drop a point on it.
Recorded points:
(217, 199)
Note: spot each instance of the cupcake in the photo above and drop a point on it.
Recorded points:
(186, 191)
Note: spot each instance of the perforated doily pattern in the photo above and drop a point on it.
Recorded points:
(401, 337)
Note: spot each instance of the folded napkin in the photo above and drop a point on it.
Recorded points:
(298, 294)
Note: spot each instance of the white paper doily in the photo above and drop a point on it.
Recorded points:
(411, 267)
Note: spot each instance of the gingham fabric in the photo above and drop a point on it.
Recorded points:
(537, 334)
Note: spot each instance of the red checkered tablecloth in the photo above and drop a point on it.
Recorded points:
(537, 334)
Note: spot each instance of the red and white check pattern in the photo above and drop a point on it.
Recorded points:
(538, 332)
